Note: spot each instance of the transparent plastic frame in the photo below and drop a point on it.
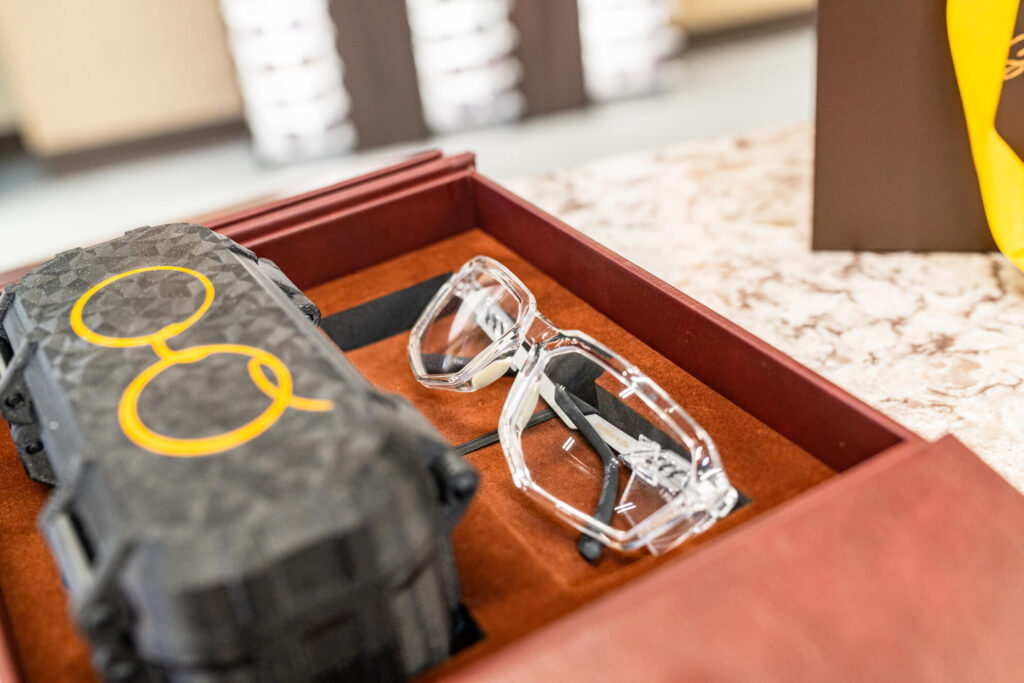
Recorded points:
(500, 306)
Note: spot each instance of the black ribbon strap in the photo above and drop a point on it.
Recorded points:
(382, 317)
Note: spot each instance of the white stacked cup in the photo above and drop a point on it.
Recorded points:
(464, 51)
(625, 44)
(290, 76)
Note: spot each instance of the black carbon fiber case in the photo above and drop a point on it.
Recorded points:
(233, 500)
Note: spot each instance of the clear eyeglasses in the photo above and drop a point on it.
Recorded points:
(612, 453)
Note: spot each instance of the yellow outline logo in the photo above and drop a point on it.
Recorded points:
(279, 390)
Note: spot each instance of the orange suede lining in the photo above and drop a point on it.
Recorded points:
(519, 567)
(46, 644)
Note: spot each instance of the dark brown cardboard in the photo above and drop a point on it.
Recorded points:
(893, 167)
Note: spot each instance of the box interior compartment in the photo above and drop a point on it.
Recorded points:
(519, 565)
(780, 429)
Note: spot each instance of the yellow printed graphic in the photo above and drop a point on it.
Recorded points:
(1015, 62)
(980, 36)
(279, 390)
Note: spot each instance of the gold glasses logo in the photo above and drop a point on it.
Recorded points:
(1015, 62)
(279, 391)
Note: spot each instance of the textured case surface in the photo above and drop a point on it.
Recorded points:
(312, 544)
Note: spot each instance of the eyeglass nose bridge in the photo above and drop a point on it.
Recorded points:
(539, 330)
(534, 330)
(538, 333)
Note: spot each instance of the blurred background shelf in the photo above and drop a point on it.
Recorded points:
(129, 113)
(90, 75)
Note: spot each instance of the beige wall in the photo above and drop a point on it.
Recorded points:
(712, 15)
(88, 73)
(6, 108)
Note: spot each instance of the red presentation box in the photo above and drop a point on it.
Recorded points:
(866, 552)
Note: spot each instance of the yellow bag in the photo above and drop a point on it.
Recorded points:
(980, 34)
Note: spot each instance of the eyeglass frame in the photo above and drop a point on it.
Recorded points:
(528, 344)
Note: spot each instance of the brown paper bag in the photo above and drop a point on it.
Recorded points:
(893, 167)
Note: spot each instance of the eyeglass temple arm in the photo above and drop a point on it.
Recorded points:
(565, 405)
(589, 547)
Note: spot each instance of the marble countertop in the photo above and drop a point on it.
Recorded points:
(936, 341)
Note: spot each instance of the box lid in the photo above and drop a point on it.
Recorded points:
(908, 566)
